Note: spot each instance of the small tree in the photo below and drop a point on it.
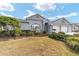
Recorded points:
(5, 20)
(17, 31)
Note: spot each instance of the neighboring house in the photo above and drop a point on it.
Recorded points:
(75, 27)
(6, 28)
(40, 24)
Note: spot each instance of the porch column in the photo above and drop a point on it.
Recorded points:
(71, 28)
(42, 26)
(67, 28)
(60, 28)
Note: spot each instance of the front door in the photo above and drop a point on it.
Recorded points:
(46, 27)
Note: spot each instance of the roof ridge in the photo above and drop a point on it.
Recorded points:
(60, 19)
(38, 15)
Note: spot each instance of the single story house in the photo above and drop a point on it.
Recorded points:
(40, 24)
(8, 27)
(35, 23)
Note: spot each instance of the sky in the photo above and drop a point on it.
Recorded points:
(51, 11)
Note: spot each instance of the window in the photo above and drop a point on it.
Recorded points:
(54, 30)
(36, 27)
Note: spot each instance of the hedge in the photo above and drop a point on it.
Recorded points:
(70, 40)
(57, 36)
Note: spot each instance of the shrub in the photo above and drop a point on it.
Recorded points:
(16, 32)
(44, 32)
(38, 33)
(26, 33)
(70, 40)
(29, 33)
(12, 33)
(23, 33)
(4, 33)
(76, 48)
(61, 36)
(73, 43)
(57, 36)
(61, 33)
(53, 35)
(76, 35)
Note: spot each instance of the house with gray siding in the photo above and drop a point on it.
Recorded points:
(40, 24)
(61, 25)
(35, 22)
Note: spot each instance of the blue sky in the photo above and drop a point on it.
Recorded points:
(51, 11)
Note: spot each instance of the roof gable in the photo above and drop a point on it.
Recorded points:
(61, 21)
(35, 17)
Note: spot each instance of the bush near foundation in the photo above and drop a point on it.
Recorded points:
(4, 33)
(61, 33)
(70, 40)
(76, 35)
(57, 36)
(26, 33)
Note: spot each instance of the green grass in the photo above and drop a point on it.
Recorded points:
(33, 46)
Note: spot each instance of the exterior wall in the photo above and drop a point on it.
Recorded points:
(28, 26)
(62, 28)
(57, 28)
(31, 22)
(70, 29)
(38, 19)
(50, 29)
(24, 26)
(54, 28)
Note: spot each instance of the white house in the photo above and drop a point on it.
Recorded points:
(39, 23)
(6, 28)
(61, 25)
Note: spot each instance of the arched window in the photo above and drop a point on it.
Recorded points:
(35, 27)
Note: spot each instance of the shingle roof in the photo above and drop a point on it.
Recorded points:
(59, 20)
(23, 21)
(76, 24)
(36, 15)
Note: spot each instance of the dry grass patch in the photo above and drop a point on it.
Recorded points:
(34, 46)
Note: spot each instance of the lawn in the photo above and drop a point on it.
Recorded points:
(35, 46)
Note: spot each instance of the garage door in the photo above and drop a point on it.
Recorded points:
(63, 29)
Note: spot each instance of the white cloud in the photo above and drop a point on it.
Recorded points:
(4, 14)
(69, 15)
(6, 6)
(45, 6)
(52, 18)
(60, 16)
(30, 13)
